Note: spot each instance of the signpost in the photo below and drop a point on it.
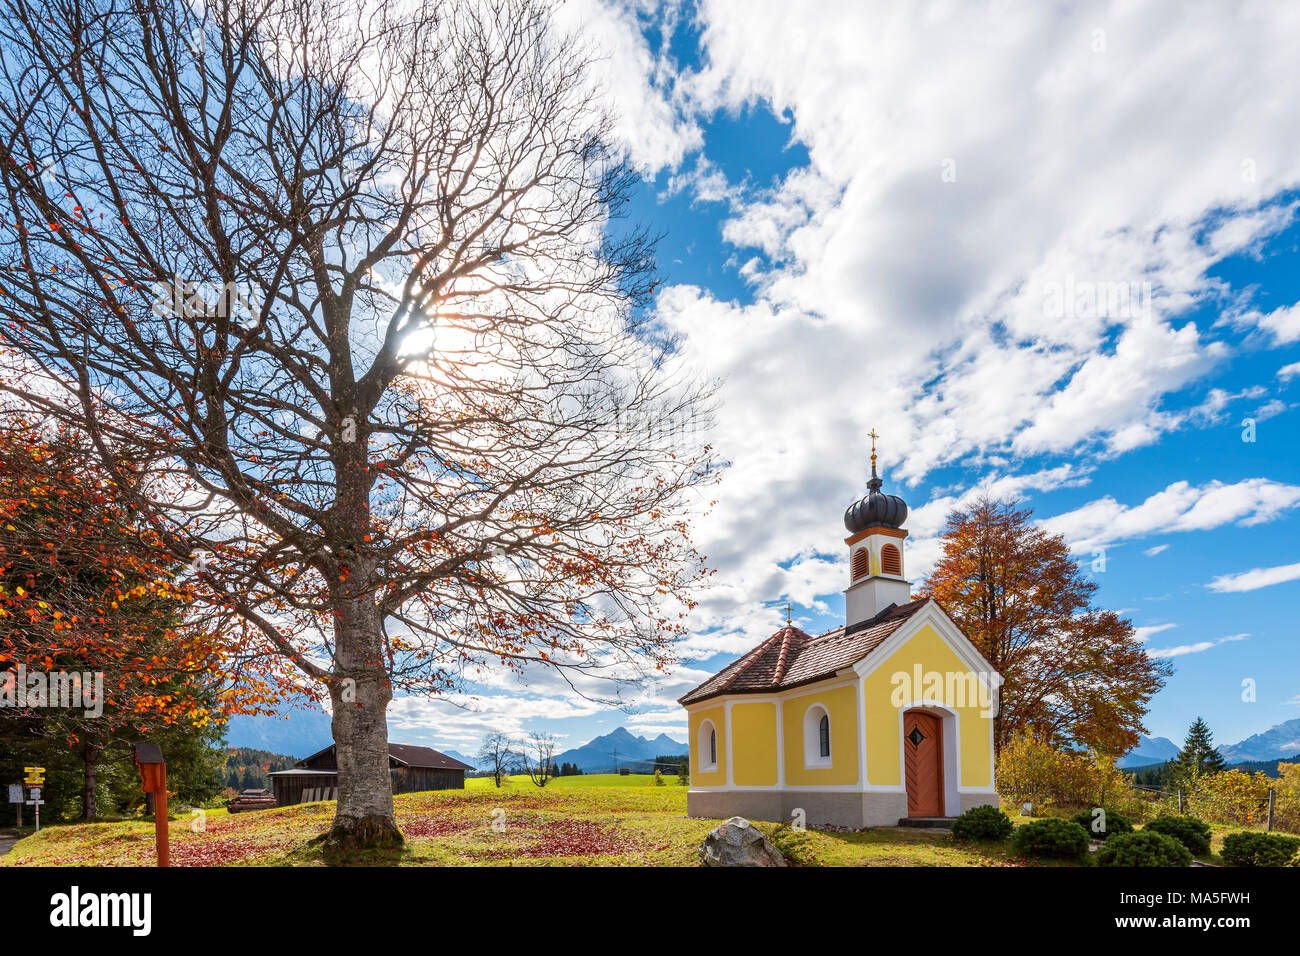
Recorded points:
(153, 779)
(34, 778)
(16, 797)
(36, 801)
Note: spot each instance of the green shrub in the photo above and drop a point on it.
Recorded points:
(1259, 849)
(1189, 831)
(1144, 848)
(982, 823)
(1115, 823)
(1051, 837)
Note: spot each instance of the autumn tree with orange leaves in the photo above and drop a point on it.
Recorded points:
(84, 590)
(350, 283)
(1072, 673)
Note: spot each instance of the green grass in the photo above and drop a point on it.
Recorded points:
(577, 780)
(576, 825)
(573, 821)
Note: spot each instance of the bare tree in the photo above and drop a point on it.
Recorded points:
(349, 279)
(537, 758)
(497, 753)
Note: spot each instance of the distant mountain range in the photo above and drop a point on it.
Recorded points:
(1277, 743)
(620, 748)
(457, 755)
(1148, 751)
(1274, 743)
(298, 734)
(305, 732)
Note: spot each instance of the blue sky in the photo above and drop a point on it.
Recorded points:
(868, 216)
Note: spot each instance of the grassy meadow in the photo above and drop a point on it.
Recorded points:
(573, 821)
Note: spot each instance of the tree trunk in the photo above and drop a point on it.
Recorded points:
(364, 817)
(90, 757)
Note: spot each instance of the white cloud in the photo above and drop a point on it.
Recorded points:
(1196, 648)
(938, 311)
(1255, 578)
(1152, 552)
(638, 84)
(1181, 506)
(1282, 324)
(1144, 633)
(706, 182)
(1288, 372)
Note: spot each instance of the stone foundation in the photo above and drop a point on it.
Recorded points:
(855, 809)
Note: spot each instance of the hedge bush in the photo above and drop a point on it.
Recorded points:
(1051, 837)
(1144, 848)
(1116, 823)
(982, 823)
(1259, 849)
(1189, 831)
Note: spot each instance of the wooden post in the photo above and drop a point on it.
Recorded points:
(160, 820)
(1272, 799)
(153, 780)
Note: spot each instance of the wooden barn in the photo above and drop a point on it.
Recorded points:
(410, 768)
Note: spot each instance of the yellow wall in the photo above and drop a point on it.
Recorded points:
(718, 777)
(753, 738)
(841, 705)
(753, 731)
(929, 650)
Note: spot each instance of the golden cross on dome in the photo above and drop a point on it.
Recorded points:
(788, 609)
(873, 436)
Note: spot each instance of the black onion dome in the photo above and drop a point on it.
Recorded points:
(875, 510)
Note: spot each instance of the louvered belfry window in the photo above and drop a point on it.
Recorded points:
(824, 734)
(861, 563)
(891, 562)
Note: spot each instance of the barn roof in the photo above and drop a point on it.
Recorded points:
(414, 756)
(407, 755)
(791, 658)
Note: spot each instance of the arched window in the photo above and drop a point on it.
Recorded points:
(891, 561)
(816, 737)
(707, 747)
(861, 563)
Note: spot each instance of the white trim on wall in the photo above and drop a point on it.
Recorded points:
(780, 742)
(862, 734)
(701, 741)
(731, 764)
(812, 758)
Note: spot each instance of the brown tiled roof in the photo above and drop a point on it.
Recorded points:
(790, 658)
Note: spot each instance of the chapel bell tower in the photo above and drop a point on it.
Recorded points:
(876, 534)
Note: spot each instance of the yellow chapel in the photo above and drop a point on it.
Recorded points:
(885, 720)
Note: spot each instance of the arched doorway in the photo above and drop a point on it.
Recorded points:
(923, 762)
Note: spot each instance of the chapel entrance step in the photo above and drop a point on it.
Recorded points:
(929, 823)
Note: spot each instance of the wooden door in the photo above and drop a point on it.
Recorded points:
(923, 759)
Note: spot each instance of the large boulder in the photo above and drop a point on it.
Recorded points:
(739, 843)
